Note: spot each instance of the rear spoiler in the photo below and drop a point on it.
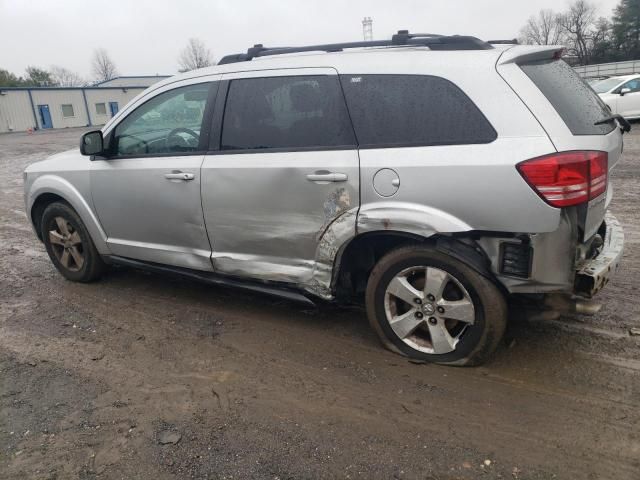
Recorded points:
(530, 53)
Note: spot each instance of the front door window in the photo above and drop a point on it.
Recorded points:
(168, 123)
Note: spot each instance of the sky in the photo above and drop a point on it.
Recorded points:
(145, 37)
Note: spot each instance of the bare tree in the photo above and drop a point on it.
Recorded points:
(103, 67)
(579, 25)
(542, 29)
(66, 78)
(195, 55)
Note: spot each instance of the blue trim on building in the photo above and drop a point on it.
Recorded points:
(33, 110)
(86, 108)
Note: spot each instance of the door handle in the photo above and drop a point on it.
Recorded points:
(179, 176)
(327, 177)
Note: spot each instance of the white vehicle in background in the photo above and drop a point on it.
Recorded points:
(621, 94)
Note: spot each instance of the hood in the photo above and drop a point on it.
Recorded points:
(64, 161)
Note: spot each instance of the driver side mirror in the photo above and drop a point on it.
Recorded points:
(92, 143)
(623, 91)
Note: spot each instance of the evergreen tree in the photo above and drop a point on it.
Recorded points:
(626, 29)
(8, 79)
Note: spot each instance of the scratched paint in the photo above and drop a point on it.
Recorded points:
(335, 237)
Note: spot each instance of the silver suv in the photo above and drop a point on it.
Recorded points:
(429, 177)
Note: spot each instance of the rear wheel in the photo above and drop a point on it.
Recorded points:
(69, 245)
(430, 306)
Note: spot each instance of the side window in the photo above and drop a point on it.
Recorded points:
(634, 85)
(168, 123)
(285, 112)
(405, 110)
(578, 105)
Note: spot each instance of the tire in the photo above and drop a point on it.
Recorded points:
(468, 306)
(69, 244)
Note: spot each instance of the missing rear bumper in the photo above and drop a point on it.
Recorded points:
(595, 273)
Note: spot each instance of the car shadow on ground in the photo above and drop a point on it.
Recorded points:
(526, 341)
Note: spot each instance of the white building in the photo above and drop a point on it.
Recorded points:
(22, 108)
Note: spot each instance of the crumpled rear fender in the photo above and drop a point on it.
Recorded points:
(394, 217)
(409, 218)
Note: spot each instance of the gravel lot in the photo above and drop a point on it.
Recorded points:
(143, 376)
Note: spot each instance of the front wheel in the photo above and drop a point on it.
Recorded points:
(69, 244)
(430, 306)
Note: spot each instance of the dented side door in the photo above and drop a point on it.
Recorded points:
(267, 208)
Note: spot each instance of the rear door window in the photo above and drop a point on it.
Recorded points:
(407, 110)
(576, 103)
(286, 113)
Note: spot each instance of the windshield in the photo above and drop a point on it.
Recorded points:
(603, 86)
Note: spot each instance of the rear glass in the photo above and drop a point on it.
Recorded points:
(573, 99)
(406, 110)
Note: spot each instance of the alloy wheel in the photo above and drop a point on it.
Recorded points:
(66, 244)
(428, 309)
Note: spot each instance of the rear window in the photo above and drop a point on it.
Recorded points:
(407, 110)
(576, 103)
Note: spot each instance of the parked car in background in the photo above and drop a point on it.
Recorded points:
(428, 177)
(621, 94)
(593, 81)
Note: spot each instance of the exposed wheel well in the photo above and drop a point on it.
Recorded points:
(363, 252)
(38, 208)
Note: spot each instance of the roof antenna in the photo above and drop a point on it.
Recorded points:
(367, 29)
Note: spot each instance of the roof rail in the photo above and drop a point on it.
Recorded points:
(403, 37)
(513, 41)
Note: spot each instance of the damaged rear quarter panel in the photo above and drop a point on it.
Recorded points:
(408, 218)
(455, 188)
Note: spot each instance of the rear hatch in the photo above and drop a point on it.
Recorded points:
(570, 112)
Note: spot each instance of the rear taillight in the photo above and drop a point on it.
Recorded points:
(598, 175)
(567, 178)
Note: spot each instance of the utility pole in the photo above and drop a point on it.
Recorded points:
(367, 28)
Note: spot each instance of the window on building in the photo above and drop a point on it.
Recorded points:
(405, 110)
(101, 109)
(169, 122)
(286, 112)
(67, 110)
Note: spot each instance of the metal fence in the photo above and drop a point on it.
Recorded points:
(609, 69)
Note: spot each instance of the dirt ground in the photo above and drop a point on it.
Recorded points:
(144, 376)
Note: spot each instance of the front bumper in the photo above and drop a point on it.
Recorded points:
(595, 273)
